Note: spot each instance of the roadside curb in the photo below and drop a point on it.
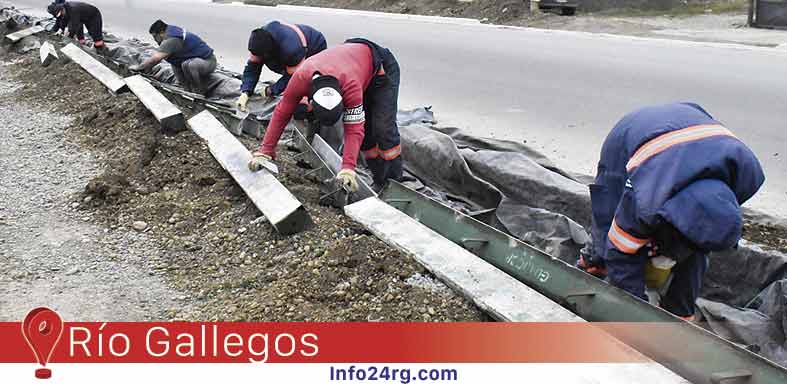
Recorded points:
(387, 15)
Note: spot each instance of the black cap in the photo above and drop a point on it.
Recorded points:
(54, 8)
(157, 27)
(261, 44)
(326, 98)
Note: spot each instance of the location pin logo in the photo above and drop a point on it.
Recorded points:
(42, 329)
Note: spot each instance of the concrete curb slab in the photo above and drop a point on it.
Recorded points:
(489, 288)
(167, 114)
(19, 35)
(48, 54)
(94, 67)
(280, 207)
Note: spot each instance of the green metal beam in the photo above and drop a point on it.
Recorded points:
(696, 354)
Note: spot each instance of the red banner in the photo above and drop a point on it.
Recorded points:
(326, 342)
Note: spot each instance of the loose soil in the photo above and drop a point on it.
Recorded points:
(215, 244)
(772, 236)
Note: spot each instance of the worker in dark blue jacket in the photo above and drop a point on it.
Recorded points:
(282, 47)
(670, 182)
(77, 16)
(192, 60)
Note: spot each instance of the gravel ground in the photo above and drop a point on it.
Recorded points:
(51, 252)
(157, 219)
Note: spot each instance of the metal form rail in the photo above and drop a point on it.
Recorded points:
(325, 163)
(699, 355)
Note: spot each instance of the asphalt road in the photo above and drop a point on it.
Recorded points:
(561, 92)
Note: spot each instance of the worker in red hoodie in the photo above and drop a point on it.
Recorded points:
(357, 82)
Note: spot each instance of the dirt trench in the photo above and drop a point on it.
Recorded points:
(214, 245)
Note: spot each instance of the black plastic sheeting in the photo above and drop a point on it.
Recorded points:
(221, 85)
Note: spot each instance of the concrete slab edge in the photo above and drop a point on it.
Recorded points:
(279, 205)
(47, 53)
(95, 68)
(19, 35)
(168, 115)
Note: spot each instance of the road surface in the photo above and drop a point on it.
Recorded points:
(560, 91)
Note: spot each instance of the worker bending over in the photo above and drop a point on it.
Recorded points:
(357, 82)
(60, 22)
(282, 47)
(77, 16)
(670, 183)
(192, 60)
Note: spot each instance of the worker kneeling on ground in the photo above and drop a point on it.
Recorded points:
(192, 60)
(358, 82)
(282, 47)
(77, 16)
(668, 191)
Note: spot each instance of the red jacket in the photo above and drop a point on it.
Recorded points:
(352, 65)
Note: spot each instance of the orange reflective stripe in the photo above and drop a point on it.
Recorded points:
(667, 140)
(390, 154)
(299, 33)
(372, 153)
(624, 241)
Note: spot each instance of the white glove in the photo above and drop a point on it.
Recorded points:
(348, 179)
(242, 101)
(258, 158)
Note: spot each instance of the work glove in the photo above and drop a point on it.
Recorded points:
(135, 68)
(348, 179)
(300, 112)
(257, 159)
(268, 92)
(590, 264)
(243, 100)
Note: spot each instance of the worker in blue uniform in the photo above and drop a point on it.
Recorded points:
(192, 60)
(282, 47)
(670, 182)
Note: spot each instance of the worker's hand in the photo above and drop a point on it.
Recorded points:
(81, 41)
(268, 92)
(300, 112)
(136, 68)
(243, 100)
(257, 159)
(348, 179)
(589, 264)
